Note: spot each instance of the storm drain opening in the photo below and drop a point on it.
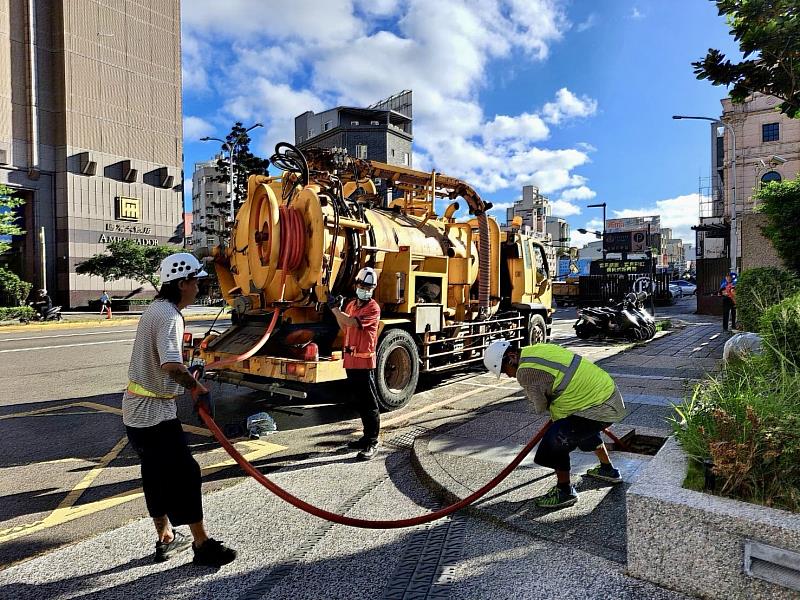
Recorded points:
(772, 564)
(638, 443)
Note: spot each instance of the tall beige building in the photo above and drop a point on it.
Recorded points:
(90, 133)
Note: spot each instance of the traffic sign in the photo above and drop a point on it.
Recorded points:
(643, 284)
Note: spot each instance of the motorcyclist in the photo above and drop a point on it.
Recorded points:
(42, 302)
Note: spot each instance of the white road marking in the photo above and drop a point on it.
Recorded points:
(66, 346)
(60, 335)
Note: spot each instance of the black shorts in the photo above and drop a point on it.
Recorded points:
(564, 436)
(170, 474)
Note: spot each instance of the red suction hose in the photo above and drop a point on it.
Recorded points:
(353, 522)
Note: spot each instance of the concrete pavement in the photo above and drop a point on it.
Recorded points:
(500, 548)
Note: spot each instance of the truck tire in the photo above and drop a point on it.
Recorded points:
(396, 369)
(537, 330)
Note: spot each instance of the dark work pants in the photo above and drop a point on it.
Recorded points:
(170, 474)
(364, 399)
(728, 309)
(564, 436)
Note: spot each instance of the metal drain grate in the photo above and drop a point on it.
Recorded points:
(776, 565)
(406, 439)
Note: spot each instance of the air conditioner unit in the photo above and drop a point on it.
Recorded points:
(129, 174)
(86, 165)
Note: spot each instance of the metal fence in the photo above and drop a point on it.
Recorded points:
(602, 289)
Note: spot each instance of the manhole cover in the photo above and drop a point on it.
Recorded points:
(406, 439)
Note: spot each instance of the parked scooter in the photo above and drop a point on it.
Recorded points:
(626, 319)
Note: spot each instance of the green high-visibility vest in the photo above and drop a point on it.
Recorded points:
(578, 384)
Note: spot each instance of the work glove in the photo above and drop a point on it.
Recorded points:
(202, 397)
(334, 301)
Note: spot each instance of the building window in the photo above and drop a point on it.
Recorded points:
(374, 123)
(354, 123)
(406, 158)
(327, 126)
(392, 151)
(771, 176)
(770, 132)
(310, 133)
(361, 151)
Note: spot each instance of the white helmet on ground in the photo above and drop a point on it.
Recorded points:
(180, 266)
(367, 276)
(493, 356)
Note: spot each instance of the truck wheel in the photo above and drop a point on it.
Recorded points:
(537, 330)
(397, 369)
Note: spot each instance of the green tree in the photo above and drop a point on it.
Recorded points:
(8, 218)
(768, 33)
(780, 202)
(245, 164)
(127, 260)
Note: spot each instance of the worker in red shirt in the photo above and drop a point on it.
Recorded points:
(359, 321)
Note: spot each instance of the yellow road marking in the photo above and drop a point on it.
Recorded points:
(98, 407)
(66, 510)
(89, 478)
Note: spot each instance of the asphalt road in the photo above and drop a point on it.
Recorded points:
(67, 473)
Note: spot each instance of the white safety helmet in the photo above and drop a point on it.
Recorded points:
(180, 266)
(493, 356)
(367, 276)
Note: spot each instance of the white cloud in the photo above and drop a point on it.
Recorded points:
(563, 208)
(679, 214)
(587, 24)
(281, 65)
(578, 193)
(568, 106)
(525, 127)
(195, 128)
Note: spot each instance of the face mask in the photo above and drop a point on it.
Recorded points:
(363, 294)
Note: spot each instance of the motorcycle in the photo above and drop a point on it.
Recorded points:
(626, 319)
(52, 313)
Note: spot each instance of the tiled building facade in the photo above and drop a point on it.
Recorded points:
(90, 133)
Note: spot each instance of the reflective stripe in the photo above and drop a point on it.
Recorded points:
(362, 354)
(138, 390)
(568, 374)
(544, 362)
(567, 370)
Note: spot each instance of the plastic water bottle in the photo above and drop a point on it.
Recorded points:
(261, 424)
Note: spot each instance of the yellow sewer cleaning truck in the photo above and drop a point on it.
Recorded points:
(446, 287)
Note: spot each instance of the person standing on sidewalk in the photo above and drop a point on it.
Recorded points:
(105, 304)
(170, 475)
(728, 291)
(360, 321)
(582, 399)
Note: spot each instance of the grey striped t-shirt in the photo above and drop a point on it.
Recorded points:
(159, 336)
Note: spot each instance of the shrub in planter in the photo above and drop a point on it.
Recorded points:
(780, 330)
(8, 313)
(13, 290)
(758, 289)
(746, 424)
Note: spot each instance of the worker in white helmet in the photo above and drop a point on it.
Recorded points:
(582, 400)
(359, 321)
(170, 475)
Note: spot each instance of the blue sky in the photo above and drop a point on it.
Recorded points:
(575, 97)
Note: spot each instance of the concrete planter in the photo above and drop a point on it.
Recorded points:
(703, 545)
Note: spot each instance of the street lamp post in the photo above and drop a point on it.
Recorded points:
(603, 206)
(231, 148)
(734, 235)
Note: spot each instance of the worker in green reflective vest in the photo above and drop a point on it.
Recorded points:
(582, 400)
